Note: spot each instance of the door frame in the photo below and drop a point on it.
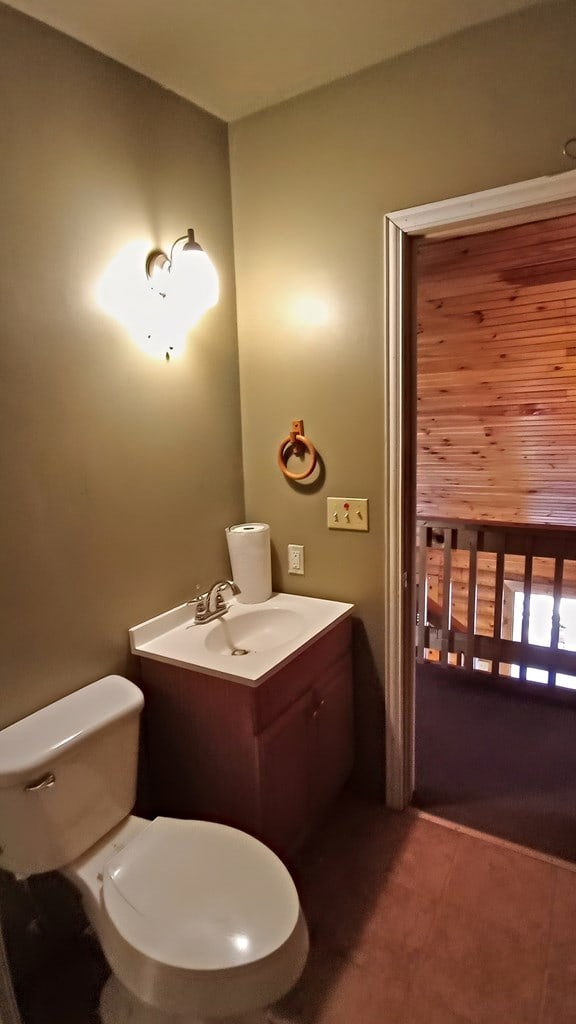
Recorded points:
(520, 203)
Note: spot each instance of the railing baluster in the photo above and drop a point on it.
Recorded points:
(446, 596)
(557, 592)
(498, 602)
(422, 592)
(526, 603)
(547, 554)
(471, 617)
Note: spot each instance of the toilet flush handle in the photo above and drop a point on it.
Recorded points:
(44, 783)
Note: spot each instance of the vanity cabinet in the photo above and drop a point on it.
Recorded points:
(265, 758)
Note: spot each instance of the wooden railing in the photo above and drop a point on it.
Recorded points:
(459, 561)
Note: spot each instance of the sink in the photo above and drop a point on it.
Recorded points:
(253, 631)
(247, 644)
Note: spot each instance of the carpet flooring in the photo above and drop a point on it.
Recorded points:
(497, 762)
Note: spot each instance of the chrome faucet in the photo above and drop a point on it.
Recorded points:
(212, 605)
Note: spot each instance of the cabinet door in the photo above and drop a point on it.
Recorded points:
(284, 761)
(332, 748)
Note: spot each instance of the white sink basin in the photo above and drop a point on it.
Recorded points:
(252, 631)
(247, 644)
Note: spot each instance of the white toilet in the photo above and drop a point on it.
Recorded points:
(198, 921)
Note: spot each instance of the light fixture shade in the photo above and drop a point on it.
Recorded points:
(186, 283)
(193, 284)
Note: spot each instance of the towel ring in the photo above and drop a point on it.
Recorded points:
(290, 445)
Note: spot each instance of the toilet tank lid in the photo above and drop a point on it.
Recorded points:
(33, 743)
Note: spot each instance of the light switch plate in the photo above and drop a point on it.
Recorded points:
(347, 513)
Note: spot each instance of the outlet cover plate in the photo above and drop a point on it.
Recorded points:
(347, 514)
(296, 559)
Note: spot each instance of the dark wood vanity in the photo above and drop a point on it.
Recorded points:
(266, 758)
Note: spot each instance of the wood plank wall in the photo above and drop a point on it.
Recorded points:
(497, 375)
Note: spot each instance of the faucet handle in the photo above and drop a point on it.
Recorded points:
(220, 588)
(227, 584)
(199, 605)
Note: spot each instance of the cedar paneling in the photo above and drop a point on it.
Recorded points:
(497, 375)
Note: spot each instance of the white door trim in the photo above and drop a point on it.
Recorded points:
(525, 201)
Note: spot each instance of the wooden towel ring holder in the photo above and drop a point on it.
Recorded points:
(293, 445)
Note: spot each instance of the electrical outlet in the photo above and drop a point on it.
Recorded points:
(296, 559)
(347, 514)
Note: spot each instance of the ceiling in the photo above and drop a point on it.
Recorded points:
(233, 57)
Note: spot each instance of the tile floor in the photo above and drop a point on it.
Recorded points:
(415, 922)
(412, 922)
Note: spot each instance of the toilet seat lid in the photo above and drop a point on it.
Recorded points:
(200, 896)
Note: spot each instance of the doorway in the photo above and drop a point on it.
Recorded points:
(534, 200)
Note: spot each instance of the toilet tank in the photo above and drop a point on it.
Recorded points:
(68, 775)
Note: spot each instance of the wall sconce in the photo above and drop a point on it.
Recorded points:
(187, 282)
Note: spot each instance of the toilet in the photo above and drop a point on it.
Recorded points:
(198, 921)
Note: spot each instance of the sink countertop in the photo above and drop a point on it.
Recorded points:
(172, 638)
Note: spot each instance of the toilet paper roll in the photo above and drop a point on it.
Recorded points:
(249, 550)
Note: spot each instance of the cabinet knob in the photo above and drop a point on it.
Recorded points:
(319, 705)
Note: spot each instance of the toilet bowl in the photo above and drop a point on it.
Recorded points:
(193, 917)
(198, 921)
